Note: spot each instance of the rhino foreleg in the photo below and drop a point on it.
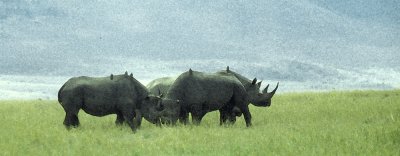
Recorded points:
(138, 118)
(197, 117)
(183, 117)
(246, 115)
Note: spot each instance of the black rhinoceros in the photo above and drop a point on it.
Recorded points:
(162, 85)
(99, 96)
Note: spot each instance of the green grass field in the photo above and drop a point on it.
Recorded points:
(332, 123)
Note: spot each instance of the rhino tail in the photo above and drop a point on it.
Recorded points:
(59, 93)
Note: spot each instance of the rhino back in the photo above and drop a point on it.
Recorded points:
(212, 90)
(104, 90)
(245, 81)
(161, 84)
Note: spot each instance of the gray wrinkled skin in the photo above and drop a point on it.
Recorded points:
(122, 95)
(198, 93)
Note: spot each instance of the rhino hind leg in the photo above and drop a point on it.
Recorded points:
(222, 117)
(71, 109)
(120, 119)
(71, 120)
(128, 116)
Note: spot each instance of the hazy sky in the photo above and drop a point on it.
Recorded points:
(329, 42)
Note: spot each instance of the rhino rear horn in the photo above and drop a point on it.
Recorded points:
(259, 84)
(266, 89)
(111, 76)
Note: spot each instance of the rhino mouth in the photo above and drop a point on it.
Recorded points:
(263, 104)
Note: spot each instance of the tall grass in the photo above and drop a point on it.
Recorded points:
(333, 123)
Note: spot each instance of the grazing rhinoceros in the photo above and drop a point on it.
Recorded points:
(161, 86)
(253, 91)
(118, 94)
(198, 93)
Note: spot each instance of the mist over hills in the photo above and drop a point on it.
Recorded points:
(306, 44)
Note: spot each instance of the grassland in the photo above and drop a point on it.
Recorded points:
(332, 123)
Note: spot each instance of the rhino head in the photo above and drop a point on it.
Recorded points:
(152, 108)
(171, 111)
(260, 99)
(161, 110)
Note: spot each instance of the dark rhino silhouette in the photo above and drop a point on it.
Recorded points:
(118, 94)
(198, 93)
(253, 91)
(162, 85)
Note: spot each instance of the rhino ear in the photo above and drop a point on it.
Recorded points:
(126, 73)
(131, 75)
(111, 76)
(190, 71)
(254, 81)
(227, 69)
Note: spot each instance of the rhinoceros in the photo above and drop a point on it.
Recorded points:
(122, 95)
(161, 86)
(253, 91)
(198, 93)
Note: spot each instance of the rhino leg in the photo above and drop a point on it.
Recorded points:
(71, 120)
(246, 115)
(120, 118)
(71, 108)
(197, 114)
(138, 118)
(229, 113)
(183, 117)
(129, 119)
(128, 114)
(222, 117)
(197, 117)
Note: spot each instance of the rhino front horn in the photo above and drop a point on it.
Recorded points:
(273, 92)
